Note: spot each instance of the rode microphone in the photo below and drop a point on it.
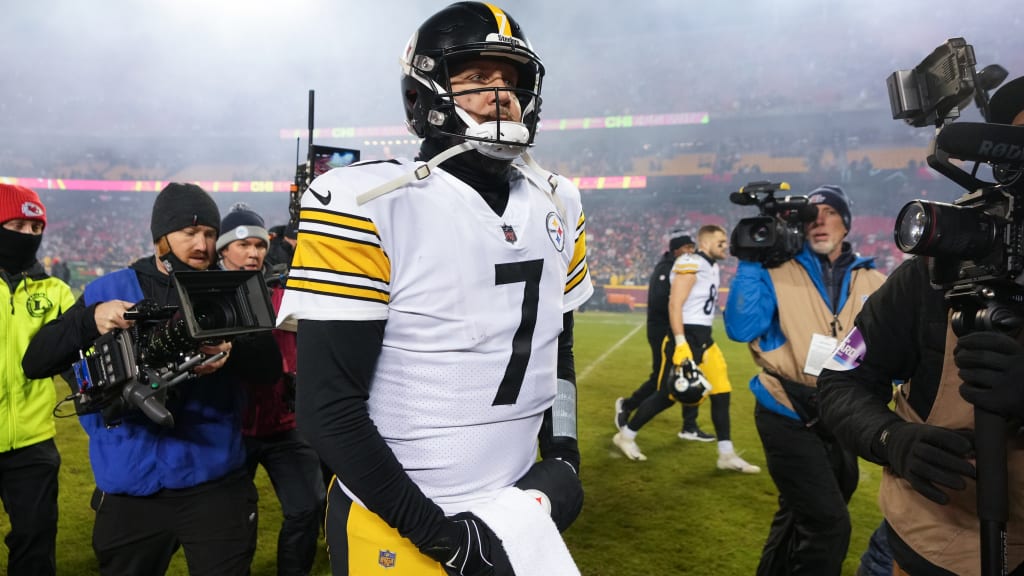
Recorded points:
(981, 142)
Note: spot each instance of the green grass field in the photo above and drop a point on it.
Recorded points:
(675, 514)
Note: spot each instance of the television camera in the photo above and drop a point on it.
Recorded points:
(776, 234)
(138, 367)
(975, 244)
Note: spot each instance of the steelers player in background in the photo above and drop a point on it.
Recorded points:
(434, 306)
(691, 309)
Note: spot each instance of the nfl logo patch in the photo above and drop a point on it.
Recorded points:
(510, 234)
(386, 559)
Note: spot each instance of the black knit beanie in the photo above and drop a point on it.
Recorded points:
(179, 206)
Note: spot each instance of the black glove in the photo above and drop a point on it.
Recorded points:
(465, 546)
(557, 481)
(929, 457)
(992, 368)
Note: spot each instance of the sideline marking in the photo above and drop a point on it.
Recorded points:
(608, 352)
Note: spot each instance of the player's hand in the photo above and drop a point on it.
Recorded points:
(992, 368)
(211, 350)
(110, 315)
(557, 488)
(465, 546)
(682, 351)
(929, 457)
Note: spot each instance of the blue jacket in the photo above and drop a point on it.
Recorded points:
(752, 311)
(139, 457)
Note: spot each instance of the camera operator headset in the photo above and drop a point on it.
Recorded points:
(927, 495)
(159, 488)
(792, 315)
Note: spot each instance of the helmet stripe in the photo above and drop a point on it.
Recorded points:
(503, 26)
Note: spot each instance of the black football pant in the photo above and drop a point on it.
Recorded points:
(28, 488)
(294, 470)
(655, 338)
(214, 522)
(816, 478)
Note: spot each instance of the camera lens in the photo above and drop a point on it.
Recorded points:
(214, 315)
(760, 233)
(938, 229)
(912, 224)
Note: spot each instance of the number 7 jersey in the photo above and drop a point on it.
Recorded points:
(473, 304)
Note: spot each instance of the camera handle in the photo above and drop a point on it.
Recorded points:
(978, 308)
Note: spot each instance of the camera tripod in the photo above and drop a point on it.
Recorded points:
(980, 307)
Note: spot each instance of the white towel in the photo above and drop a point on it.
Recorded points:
(529, 535)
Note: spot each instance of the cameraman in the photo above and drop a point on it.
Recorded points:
(29, 461)
(792, 316)
(268, 423)
(158, 489)
(904, 333)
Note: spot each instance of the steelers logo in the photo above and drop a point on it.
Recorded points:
(556, 231)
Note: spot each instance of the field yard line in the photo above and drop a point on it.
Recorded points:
(608, 352)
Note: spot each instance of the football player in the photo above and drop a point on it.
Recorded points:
(433, 301)
(692, 301)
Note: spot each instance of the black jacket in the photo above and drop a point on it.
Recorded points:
(903, 325)
(658, 288)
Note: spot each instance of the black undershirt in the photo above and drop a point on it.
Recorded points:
(490, 178)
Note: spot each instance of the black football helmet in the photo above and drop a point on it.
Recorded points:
(689, 385)
(465, 31)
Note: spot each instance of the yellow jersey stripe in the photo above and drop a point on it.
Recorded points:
(342, 220)
(575, 280)
(338, 289)
(503, 26)
(342, 255)
(579, 250)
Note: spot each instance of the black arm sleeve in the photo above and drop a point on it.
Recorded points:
(903, 327)
(56, 346)
(564, 447)
(336, 362)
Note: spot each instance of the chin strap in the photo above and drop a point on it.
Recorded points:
(543, 179)
(421, 172)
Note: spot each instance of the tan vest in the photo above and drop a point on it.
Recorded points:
(949, 536)
(802, 313)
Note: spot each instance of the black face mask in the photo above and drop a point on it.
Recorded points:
(175, 264)
(17, 250)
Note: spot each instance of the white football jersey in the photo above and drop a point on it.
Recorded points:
(473, 303)
(699, 307)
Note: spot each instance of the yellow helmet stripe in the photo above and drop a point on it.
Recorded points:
(503, 26)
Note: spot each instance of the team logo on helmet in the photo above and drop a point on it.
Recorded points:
(556, 231)
(31, 209)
